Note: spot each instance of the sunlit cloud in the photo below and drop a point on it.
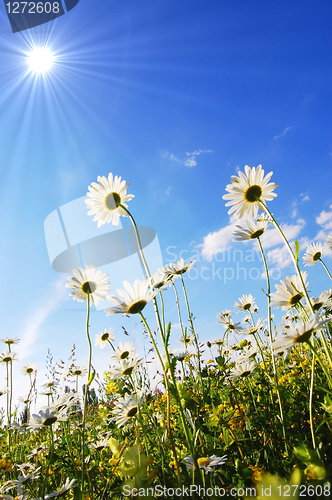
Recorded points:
(190, 159)
(324, 219)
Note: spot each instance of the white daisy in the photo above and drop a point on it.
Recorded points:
(205, 463)
(8, 357)
(10, 341)
(312, 254)
(65, 401)
(105, 199)
(253, 329)
(88, 282)
(328, 241)
(99, 445)
(125, 350)
(62, 490)
(231, 326)
(298, 333)
(26, 399)
(124, 368)
(3, 390)
(324, 300)
(249, 191)
(104, 338)
(77, 371)
(224, 316)
(254, 229)
(289, 292)
(242, 369)
(162, 279)
(134, 298)
(245, 302)
(29, 369)
(178, 268)
(46, 418)
(126, 408)
(186, 339)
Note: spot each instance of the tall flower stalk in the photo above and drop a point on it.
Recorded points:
(269, 315)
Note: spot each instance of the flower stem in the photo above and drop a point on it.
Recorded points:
(86, 392)
(326, 269)
(295, 261)
(271, 340)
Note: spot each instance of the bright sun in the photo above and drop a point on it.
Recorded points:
(40, 60)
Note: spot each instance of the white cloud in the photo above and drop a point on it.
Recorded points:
(218, 241)
(304, 197)
(190, 160)
(271, 237)
(324, 219)
(279, 256)
(34, 321)
(168, 190)
(284, 132)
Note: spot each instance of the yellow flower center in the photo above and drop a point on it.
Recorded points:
(317, 256)
(124, 355)
(89, 287)
(295, 299)
(137, 307)
(257, 234)
(50, 420)
(204, 461)
(132, 412)
(128, 371)
(105, 337)
(253, 193)
(304, 337)
(112, 201)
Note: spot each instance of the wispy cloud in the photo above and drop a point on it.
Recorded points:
(168, 190)
(303, 197)
(35, 320)
(324, 219)
(190, 159)
(284, 132)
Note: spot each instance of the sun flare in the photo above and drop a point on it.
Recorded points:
(40, 60)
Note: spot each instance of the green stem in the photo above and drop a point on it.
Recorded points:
(86, 393)
(295, 261)
(322, 365)
(192, 328)
(146, 267)
(326, 269)
(271, 340)
(310, 401)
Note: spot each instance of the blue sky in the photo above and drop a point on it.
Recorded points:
(175, 97)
